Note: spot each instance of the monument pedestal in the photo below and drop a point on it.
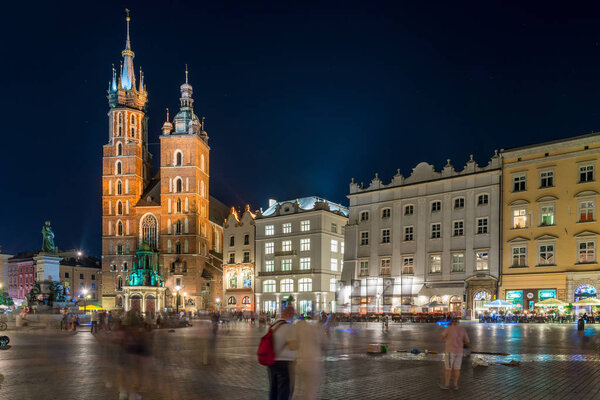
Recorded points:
(48, 267)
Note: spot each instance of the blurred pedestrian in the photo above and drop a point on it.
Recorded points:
(284, 344)
(456, 340)
(94, 322)
(311, 341)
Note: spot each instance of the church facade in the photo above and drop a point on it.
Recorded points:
(167, 212)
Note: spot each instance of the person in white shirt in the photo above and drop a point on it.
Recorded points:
(284, 343)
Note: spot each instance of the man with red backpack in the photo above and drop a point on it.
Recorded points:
(277, 350)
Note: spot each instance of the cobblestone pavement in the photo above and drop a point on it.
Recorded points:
(557, 363)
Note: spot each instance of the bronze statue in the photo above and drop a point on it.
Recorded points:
(47, 239)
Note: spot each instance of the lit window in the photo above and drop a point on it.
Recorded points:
(385, 267)
(586, 173)
(304, 244)
(269, 248)
(334, 246)
(287, 285)
(586, 211)
(269, 266)
(286, 264)
(586, 251)
(436, 231)
(305, 263)
(333, 285)
(342, 247)
(546, 252)
(458, 262)
(408, 265)
(409, 209)
(286, 245)
(519, 218)
(546, 179)
(459, 203)
(305, 226)
(547, 215)
(409, 233)
(385, 236)
(269, 286)
(435, 263)
(287, 227)
(519, 256)
(364, 238)
(269, 230)
(481, 261)
(334, 264)
(519, 183)
(305, 285)
(483, 199)
(364, 216)
(459, 228)
(246, 257)
(436, 206)
(482, 226)
(364, 268)
(386, 213)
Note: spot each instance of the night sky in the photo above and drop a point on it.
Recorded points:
(299, 96)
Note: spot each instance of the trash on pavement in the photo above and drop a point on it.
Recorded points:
(479, 362)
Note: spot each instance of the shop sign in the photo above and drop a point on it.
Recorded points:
(547, 294)
(530, 295)
(514, 294)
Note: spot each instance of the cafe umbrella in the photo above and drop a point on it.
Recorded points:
(498, 304)
(551, 302)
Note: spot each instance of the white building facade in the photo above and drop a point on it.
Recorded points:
(299, 255)
(428, 242)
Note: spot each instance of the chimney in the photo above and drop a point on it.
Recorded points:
(272, 202)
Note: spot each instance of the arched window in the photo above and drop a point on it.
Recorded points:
(178, 227)
(178, 247)
(178, 206)
(119, 248)
(119, 208)
(178, 159)
(246, 300)
(287, 285)
(149, 231)
(269, 286)
(178, 185)
(201, 162)
(304, 285)
(133, 125)
(119, 187)
(119, 228)
(202, 189)
(118, 168)
(119, 283)
(120, 128)
(231, 300)
(119, 149)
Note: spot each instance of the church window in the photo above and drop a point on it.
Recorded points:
(119, 187)
(119, 228)
(178, 185)
(119, 168)
(119, 283)
(178, 228)
(149, 231)
(202, 189)
(119, 248)
(120, 128)
(178, 247)
(119, 149)
(178, 158)
(119, 208)
(201, 162)
(178, 205)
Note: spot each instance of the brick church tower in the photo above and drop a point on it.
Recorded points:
(167, 212)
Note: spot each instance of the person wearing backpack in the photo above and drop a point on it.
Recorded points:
(277, 350)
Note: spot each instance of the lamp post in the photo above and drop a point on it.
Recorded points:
(84, 291)
(177, 289)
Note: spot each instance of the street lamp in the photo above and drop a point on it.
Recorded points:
(177, 289)
(84, 291)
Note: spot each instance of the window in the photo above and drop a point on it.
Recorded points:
(231, 258)
(269, 266)
(119, 283)
(305, 226)
(482, 226)
(66, 274)
(270, 306)
(305, 285)
(304, 244)
(305, 263)
(93, 286)
(287, 285)
(459, 228)
(409, 209)
(269, 248)
(80, 276)
(586, 251)
(119, 228)
(586, 211)
(364, 268)
(385, 236)
(246, 256)
(287, 227)
(269, 230)
(286, 245)
(483, 199)
(246, 300)
(119, 187)
(385, 268)
(333, 227)
(246, 239)
(547, 215)
(408, 265)
(178, 247)
(519, 218)
(586, 173)
(150, 230)
(333, 285)
(436, 206)
(342, 247)
(435, 264)
(459, 203)
(178, 158)
(364, 238)
(286, 264)
(546, 179)
(178, 206)
(519, 183)
(436, 231)
(386, 213)
(364, 216)
(119, 168)
(269, 286)
(481, 261)
(546, 254)
(458, 262)
(519, 256)
(232, 240)
(178, 227)
(231, 300)
(119, 208)
(93, 277)
(119, 149)
(409, 233)
(334, 246)
(334, 264)
(178, 185)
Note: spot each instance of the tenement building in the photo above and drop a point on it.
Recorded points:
(238, 262)
(550, 221)
(427, 242)
(167, 211)
(299, 254)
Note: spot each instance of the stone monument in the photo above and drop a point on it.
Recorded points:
(48, 288)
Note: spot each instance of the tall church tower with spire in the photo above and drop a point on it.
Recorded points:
(166, 214)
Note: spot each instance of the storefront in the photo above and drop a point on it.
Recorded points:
(480, 299)
(525, 299)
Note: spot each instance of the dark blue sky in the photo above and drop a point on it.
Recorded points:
(298, 96)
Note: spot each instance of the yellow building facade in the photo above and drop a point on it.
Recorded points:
(550, 227)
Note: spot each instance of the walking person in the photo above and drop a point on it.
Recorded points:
(456, 339)
(311, 341)
(284, 344)
(94, 321)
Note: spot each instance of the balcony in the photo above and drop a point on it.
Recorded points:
(290, 272)
(285, 253)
